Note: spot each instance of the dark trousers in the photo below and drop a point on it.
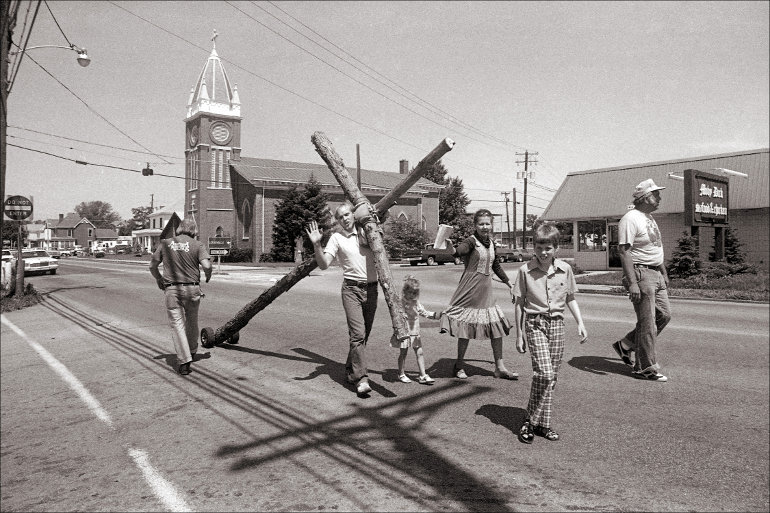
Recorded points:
(360, 304)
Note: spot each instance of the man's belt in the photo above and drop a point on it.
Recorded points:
(653, 267)
(356, 283)
(183, 283)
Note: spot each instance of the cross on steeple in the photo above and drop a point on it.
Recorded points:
(214, 38)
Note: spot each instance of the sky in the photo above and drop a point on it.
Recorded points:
(578, 85)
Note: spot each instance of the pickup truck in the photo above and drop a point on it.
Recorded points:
(431, 256)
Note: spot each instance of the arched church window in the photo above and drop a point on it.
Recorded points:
(402, 216)
(246, 215)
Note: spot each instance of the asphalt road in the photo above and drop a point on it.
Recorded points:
(95, 418)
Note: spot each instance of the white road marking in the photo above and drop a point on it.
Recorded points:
(69, 378)
(163, 489)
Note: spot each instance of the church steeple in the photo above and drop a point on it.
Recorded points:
(213, 93)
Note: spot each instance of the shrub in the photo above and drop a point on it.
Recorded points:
(686, 258)
(239, 255)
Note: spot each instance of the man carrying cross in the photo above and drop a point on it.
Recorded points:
(359, 287)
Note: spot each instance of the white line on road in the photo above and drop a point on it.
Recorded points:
(69, 378)
(162, 488)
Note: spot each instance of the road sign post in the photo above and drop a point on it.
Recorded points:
(219, 247)
(18, 208)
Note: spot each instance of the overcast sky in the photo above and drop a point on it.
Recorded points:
(584, 85)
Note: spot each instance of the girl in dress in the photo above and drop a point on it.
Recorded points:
(410, 300)
(473, 312)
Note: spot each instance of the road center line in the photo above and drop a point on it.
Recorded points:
(162, 488)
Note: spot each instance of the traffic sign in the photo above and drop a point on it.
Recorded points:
(219, 252)
(18, 207)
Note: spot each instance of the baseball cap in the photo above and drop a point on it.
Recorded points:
(646, 187)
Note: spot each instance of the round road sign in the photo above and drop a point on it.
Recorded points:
(18, 207)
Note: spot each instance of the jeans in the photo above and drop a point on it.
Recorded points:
(182, 302)
(653, 312)
(360, 304)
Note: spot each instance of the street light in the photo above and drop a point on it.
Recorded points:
(82, 58)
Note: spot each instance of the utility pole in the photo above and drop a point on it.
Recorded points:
(514, 217)
(526, 177)
(152, 203)
(358, 165)
(507, 219)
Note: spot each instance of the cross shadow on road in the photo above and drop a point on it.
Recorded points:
(509, 417)
(600, 365)
(336, 371)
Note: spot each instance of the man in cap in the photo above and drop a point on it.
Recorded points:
(645, 278)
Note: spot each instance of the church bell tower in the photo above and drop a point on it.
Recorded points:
(213, 138)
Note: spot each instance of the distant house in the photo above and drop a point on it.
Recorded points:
(71, 230)
(161, 224)
(105, 237)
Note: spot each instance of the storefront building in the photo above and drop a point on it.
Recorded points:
(592, 203)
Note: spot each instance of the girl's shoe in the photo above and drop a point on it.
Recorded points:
(426, 380)
(546, 433)
(526, 436)
(460, 373)
(403, 378)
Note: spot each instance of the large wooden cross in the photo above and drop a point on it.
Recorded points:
(367, 215)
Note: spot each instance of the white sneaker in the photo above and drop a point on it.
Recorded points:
(426, 380)
(363, 388)
(651, 376)
(403, 378)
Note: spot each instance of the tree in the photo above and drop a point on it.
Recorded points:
(140, 218)
(99, 213)
(402, 235)
(293, 214)
(11, 232)
(436, 173)
(685, 261)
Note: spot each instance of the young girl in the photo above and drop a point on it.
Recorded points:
(544, 286)
(473, 312)
(410, 294)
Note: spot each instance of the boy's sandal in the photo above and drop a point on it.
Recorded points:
(525, 433)
(546, 433)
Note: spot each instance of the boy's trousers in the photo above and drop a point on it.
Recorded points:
(545, 338)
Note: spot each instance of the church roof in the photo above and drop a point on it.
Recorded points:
(281, 172)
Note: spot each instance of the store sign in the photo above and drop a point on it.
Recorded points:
(705, 198)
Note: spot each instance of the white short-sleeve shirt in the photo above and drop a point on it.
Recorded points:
(641, 231)
(356, 260)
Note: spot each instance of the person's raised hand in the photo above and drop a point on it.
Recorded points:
(314, 233)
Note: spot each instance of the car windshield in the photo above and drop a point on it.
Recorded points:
(30, 254)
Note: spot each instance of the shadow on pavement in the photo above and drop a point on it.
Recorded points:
(600, 365)
(509, 417)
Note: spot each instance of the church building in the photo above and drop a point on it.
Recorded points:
(230, 195)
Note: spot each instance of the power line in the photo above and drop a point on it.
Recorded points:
(93, 110)
(425, 103)
(282, 88)
(96, 144)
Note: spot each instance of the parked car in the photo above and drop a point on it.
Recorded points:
(99, 253)
(79, 251)
(8, 256)
(429, 255)
(38, 261)
(513, 255)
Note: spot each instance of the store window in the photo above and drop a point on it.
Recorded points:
(592, 236)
